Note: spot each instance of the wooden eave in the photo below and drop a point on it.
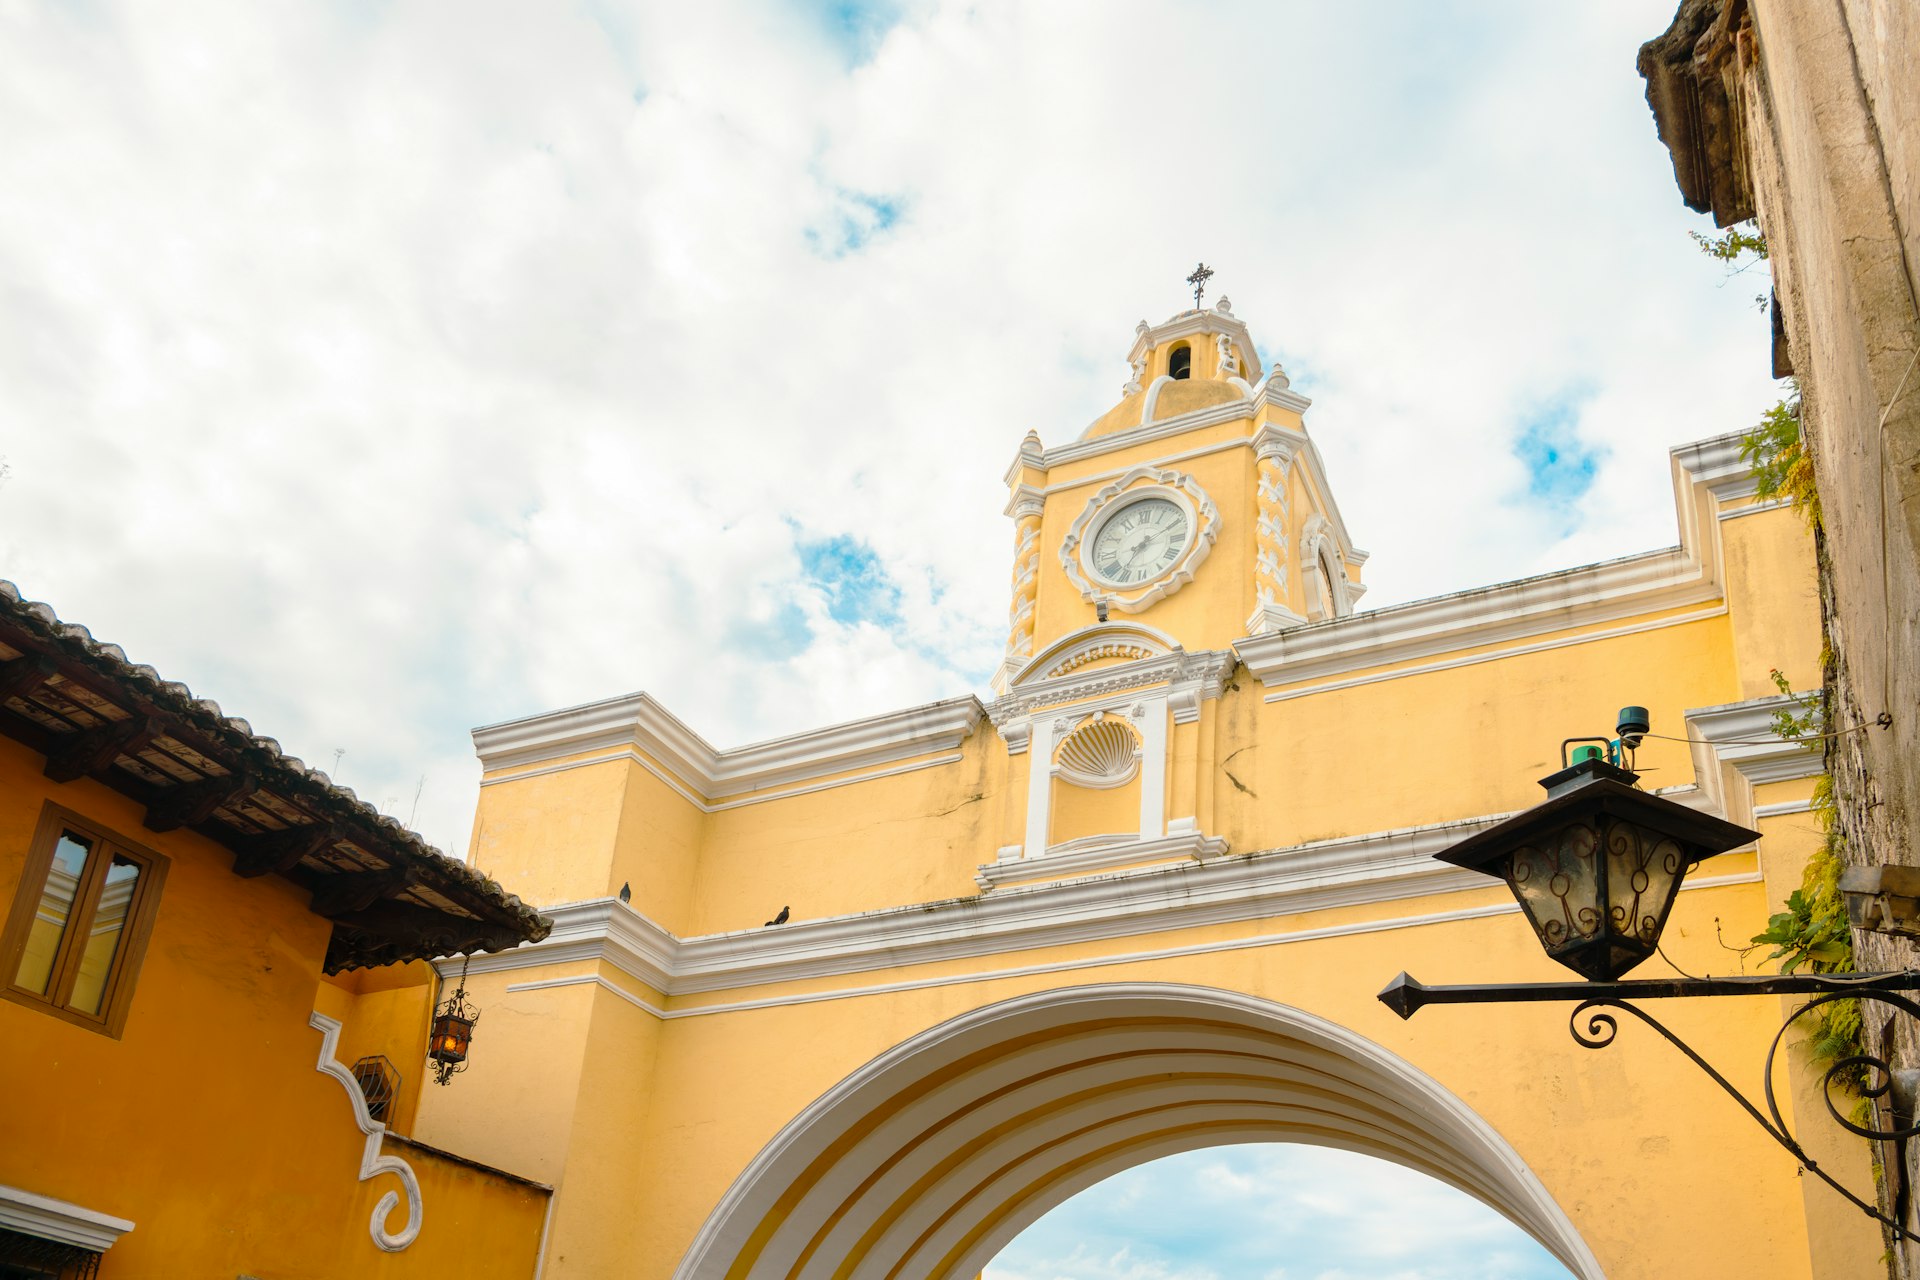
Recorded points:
(390, 896)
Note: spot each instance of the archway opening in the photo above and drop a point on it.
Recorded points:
(931, 1158)
(1267, 1209)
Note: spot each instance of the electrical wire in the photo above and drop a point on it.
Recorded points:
(1768, 742)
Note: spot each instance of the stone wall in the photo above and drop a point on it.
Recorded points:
(1806, 115)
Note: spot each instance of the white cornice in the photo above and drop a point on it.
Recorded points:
(639, 722)
(1718, 464)
(1570, 599)
(1069, 863)
(1742, 734)
(45, 1218)
(1211, 415)
(1203, 671)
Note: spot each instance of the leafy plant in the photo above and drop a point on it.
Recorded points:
(1782, 468)
(1800, 936)
(1734, 244)
(1812, 933)
(1799, 721)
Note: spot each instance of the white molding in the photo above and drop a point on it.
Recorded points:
(1740, 736)
(1073, 859)
(591, 980)
(1496, 655)
(372, 1163)
(1106, 960)
(1077, 648)
(1717, 463)
(1025, 501)
(595, 929)
(1563, 601)
(1204, 671)
(702, 774)
(1137, 485)
(1211, 415)
(45, 1218)
(1782, 809)
(1755, 508)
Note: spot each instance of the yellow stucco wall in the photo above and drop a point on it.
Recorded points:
(206, 1122)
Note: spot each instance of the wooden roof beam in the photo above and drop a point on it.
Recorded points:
(281, 851)
(188, 804)
(350, 892)
(25, 674)
(88, 751)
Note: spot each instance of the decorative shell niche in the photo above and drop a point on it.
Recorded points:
(1096, 782)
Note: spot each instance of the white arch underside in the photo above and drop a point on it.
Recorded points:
(931, 1158)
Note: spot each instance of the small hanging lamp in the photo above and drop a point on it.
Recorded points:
(452, 1031)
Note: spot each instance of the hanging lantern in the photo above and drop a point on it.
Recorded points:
(452, 1031)
(1597, 865)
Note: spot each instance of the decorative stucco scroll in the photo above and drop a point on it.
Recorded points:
(372, 1163)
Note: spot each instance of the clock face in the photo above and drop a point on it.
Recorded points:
(1140, 541)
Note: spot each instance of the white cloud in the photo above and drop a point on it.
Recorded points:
(381, 371)
(1277, 1210)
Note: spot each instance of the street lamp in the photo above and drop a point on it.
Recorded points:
(1595, 868)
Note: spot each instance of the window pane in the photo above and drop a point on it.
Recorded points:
(56, 909)
(109, 923)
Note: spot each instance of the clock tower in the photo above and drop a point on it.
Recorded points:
(1193, 514)
(1197, 505)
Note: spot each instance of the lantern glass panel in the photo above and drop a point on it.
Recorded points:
(1556, 879)
(1643, 874)
(450, 1038)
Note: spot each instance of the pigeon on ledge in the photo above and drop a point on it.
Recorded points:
(779, 919)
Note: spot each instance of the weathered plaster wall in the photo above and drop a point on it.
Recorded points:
(1806, 114)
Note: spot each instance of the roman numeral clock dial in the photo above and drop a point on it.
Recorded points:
(1140, 541)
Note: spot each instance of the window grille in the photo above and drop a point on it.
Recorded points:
(379, 1085)
(25, 1257)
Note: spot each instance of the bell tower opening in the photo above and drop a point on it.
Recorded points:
(1180, 362)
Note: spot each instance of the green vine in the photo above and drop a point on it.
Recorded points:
(1812, 933)
(1778, 456)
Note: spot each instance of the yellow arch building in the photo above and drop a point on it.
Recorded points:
(1142, 899)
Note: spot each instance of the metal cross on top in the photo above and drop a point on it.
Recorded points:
(1201, 274)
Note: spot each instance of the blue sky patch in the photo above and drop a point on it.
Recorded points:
(1560, 465)
(857, 218)
(855, 28)
(851, 577)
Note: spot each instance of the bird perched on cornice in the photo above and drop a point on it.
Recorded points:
(626, 891)
(779, 919)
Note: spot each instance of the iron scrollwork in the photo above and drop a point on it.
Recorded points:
(1876, 1073)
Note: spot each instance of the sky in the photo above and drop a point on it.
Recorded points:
(383, 369)
(1273, 1211)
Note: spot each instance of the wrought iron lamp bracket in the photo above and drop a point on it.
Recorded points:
(1406, 996)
